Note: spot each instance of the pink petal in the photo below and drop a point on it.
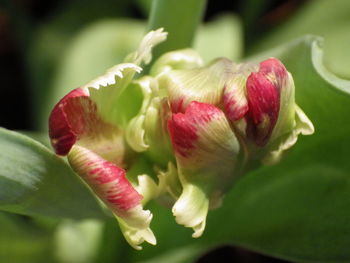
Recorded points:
(63, 133)
(183, 126)
(274, 66)
(263, 93)
(235, 106)
(106, 179)
(75, 119)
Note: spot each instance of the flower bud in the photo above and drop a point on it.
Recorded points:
(197, 127)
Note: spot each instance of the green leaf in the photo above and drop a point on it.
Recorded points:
(329, 19)
(34, 181)
(22, 240)
(83, 235)
(181, 34)
(297, 210)
(222, 37)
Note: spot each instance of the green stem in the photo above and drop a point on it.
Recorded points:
(180, 18)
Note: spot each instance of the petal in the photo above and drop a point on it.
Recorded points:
(204, 84)
(135, 132)
(191, 209)
(109, 183)
(274, 82)
(264, 93)
(302, 126)
(62, 133)
(234, 97)
(202, 132)
(157, 136)
(107, 91)
(179, 59)
(148, 129)
(74, 119)
(116, 101)
(235, 102)
(207, 152)
(171, 181)
(144, 51)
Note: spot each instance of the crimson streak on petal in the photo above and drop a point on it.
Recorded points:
(106, 179)
(183, 126)
(64, 128)
(263, 93)
(75, 119)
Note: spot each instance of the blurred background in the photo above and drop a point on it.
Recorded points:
(36, 35)
(50, 47)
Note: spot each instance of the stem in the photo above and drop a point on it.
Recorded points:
(180, 18)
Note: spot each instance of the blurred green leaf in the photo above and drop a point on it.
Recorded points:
(23, 241)
(112, 247)
(329, 19)
(222, 37)
(145, 6)
(84, 236)
(34, 181)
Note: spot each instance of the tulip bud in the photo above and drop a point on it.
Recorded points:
(206, 124)
(212, 147)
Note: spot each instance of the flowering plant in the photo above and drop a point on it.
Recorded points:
(188, 134)
(220, 119)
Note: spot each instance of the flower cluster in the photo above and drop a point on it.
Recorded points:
(199, 126)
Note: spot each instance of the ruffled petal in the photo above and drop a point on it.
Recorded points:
(303, 126)
(206, 151)
(88, 125)
(144, 52)
(74, 119)
(109, 183)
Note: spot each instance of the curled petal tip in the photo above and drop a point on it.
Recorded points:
(191, 209)
(63, 127)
